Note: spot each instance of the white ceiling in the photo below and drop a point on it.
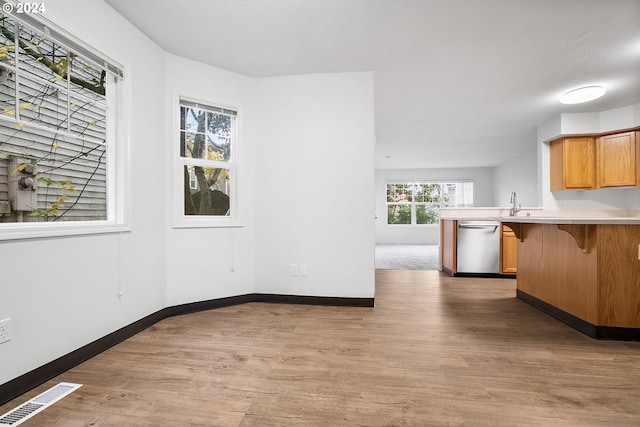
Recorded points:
(458, 83)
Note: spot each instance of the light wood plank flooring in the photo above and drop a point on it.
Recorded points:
(435, 351)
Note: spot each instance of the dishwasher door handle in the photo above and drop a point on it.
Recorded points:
(476, 226)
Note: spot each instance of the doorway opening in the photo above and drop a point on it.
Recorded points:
(407, 257)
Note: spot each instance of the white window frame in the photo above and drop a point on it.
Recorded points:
(117, 196)
(180, 220)
(413, 202)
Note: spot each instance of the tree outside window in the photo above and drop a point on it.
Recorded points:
(207, 135)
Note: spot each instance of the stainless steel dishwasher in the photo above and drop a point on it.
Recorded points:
(478, 247)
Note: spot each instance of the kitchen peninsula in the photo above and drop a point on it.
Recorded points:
(585, 271)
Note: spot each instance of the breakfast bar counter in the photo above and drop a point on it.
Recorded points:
(583, 271)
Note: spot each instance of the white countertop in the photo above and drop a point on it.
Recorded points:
(540, 216)
(631, 220)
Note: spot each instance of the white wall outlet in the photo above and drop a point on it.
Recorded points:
(295, 271)
(304, 270)
(5, 332)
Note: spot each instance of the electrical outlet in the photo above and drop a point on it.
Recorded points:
(5, 332)
(294, 270)
(304, 271)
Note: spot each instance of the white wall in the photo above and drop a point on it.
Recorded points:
(306, 168)
(586, 200)
(209, 263)
(71, 299)
(519, 175)
(314, 184)
(424, 234)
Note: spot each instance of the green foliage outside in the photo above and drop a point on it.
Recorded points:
(426, 215)
(399, 214)
(426, 197)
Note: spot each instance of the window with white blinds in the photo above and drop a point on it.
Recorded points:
(60, 103)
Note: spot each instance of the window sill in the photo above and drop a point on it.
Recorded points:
(20, 231)
(205, 222)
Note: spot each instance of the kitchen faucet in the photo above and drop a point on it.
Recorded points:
(514, 209)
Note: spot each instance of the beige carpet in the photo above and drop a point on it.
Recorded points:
(407, 257)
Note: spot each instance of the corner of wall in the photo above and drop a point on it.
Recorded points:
(550, 129)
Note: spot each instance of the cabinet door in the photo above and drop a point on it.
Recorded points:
(617, 160)
(579, 162)
(573, 163)
(508, 251)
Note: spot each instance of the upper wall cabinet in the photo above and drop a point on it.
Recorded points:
(617, 160)
(573, 163)
(587, 162)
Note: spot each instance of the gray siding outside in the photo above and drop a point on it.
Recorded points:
(67, 140)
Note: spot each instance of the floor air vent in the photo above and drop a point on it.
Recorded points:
(39, 403)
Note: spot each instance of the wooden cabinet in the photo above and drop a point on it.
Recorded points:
(616, 160)
(587, 162)
(448, 246)
(508, 251)
(449, 250)
(573, 163)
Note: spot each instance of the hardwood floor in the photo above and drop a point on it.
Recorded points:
(435, 351)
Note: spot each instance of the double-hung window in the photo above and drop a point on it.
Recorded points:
(61, 116)
(418, 203)
(207, 137)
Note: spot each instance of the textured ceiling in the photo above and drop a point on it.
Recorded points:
(458, 83)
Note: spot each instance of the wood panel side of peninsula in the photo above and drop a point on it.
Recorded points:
(598, 283)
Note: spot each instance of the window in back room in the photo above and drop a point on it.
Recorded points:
(418, 203)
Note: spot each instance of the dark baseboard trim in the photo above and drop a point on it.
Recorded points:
(447, 271)
(32, 379)
(307, 300)
(22, 384)
(571, 320)
(477, 275)
(212, 304)
(593, 331)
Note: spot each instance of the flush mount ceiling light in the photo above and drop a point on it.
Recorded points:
(582, 94)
